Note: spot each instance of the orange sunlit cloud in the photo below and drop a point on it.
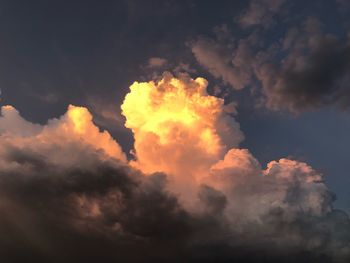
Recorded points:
(73, 128)
(179, 130)
(176, 127)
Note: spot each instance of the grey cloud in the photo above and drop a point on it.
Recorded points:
(102, 209)
(314, 73)
(305, 69)
(260, 12)
(231, 65)
(113, 213)
(156, 62)
(54, 214)
(11, 122)
(65, 200)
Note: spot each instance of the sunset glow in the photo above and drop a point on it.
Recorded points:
(174, 131)
(174, 125)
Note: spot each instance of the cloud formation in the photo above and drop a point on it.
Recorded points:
(178, 128)
(303, 67)
(260, 13)
(69, 194)
(314, 73)
(155, 62)
(232, 67)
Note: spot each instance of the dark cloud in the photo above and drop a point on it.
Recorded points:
(102, 209)
(231, 61)
(53, 214)
(260, 13)
(71, 196)
(314, 73)
(303, 68)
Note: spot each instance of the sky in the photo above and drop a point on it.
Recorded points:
(197, 130)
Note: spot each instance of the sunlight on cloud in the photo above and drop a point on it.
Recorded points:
(187, 168)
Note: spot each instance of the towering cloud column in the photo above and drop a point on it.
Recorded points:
(182, 131)
(178, 128)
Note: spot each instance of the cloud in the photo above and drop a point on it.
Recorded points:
(306, 68)
(286, 184)
(73, 129)
(12, 123)
(106, 114)
(178, 128)
(232, 66)
(68, 194)
(314, 72)
(73, 214)
(260, 13)
(155, 62)
(285, 205)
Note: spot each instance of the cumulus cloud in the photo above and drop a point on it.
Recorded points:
(68, 194)
(156, 67)
(104, 211)
(276, 205)
(178, 128)
(74, 129)
(12, 123)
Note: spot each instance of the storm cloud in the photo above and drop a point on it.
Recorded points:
(69, 195)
